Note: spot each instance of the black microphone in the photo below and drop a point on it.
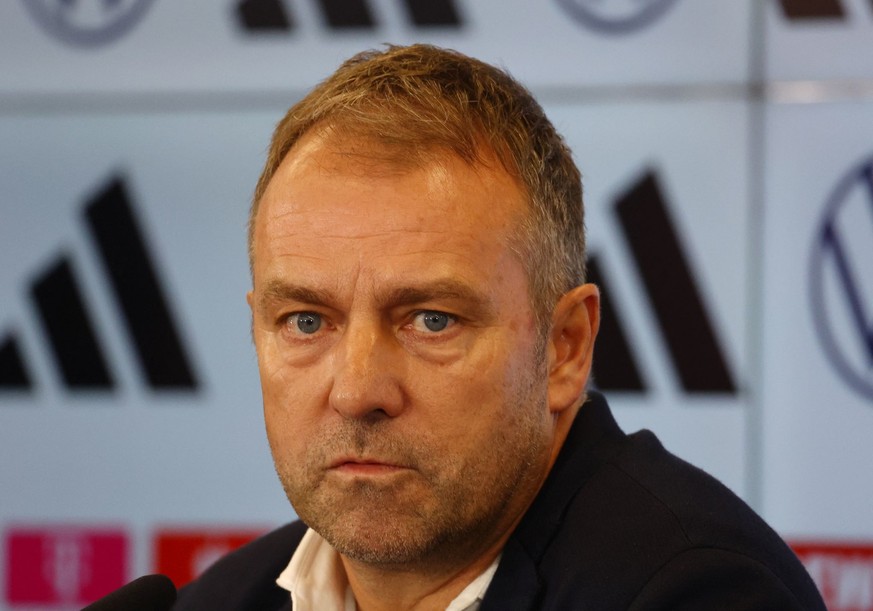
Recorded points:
(147, 593)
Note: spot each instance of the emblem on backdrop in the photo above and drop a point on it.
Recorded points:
(616, 16)
(72, 336)
(841, 286)
(666, 274)
(812, 10)
(87, 23)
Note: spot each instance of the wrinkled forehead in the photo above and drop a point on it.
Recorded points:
(337, 148)
(328, 178)
(382, 149)
(329, 175)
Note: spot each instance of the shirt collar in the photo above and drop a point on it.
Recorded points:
(317, 581)
(316, 578)
(471, 597)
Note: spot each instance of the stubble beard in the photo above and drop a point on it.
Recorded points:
(445, 508)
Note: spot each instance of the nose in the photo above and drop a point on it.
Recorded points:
(366, 368)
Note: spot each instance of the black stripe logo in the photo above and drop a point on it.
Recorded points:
(673, 295)
(814, 10)
(69, 329)
(255, 16)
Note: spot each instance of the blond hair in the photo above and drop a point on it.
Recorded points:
(422, 99)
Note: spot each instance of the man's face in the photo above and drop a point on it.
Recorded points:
(405, 390)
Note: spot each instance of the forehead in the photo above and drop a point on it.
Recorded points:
(359, 198)
(329, 152)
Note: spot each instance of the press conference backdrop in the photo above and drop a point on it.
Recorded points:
(727, 153)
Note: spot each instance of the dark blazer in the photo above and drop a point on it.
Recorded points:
(620, 523)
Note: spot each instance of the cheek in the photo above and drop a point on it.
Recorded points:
(503, 393)
(464, 402)
(289, 434)
(281, 429)
(284, 384)
(277, 379)
(269, 364)
(489, 372)
(291, 408)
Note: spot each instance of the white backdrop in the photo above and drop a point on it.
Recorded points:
(744, 117)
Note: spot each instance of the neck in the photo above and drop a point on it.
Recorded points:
(414, 588)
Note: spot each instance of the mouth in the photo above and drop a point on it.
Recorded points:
(365, 466)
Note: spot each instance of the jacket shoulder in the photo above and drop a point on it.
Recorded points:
(246, 578)
(621, 521)
(713, 578)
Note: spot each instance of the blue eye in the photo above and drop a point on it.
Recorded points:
(434, 321)
(306, 322)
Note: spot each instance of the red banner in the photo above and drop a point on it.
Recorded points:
(64, 565)
(182, 555)
(842, 571)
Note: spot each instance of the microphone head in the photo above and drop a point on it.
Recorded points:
(147, 593)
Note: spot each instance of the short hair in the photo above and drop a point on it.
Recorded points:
(425, 100)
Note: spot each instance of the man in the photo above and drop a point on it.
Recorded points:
(424, 338)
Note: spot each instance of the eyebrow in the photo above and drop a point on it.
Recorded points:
(278, 291)
(476, 303)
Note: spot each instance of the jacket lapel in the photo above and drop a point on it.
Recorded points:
(517, 584)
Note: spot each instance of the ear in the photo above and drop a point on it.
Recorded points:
(250, 299)
(575, 321)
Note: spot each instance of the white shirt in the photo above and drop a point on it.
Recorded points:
(317, 581)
